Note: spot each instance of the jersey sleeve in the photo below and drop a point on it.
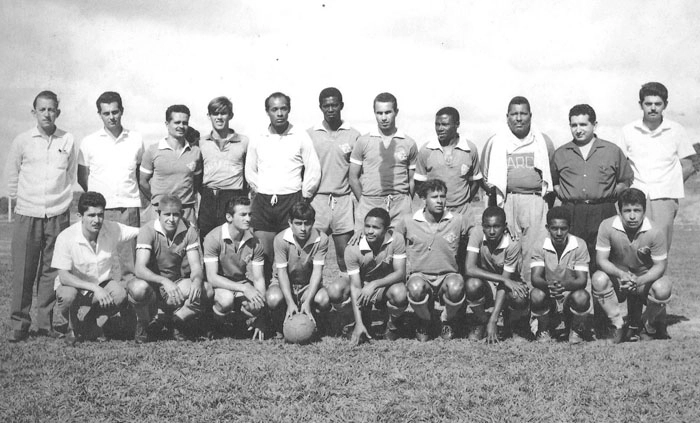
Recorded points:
(127, 233)
(659, 251)
(412, 155)
(421, 165)
(537, 259)
(475, 238)
(399, 245)
(581, 256)
(513, 257)
(212, 246)
(145, 238)
(281, 251)
(258, 254)
(321, 252)
(603, 241)
(475, 166)
(192, 239)
(199, 162)
(353, 259)
(147, 160)
(358, 152)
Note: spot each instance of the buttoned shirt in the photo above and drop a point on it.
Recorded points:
(167, 255)
(574, 258)
(173, 171)
(506, 256)
(275, 161)
(333, 149)
(223, 167)
(591, 178)
(112, 164)
(41, 172)
(655, 157)
(233, 257)
(632, 254)
(297, 260)
(361, 259)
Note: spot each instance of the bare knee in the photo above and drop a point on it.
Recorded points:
(322, 301)
(66, 295)
(600, 281)
(140, 291)
(475, 289)
(224, 300)
(397, 295)
(538, 299)
(417, 288)
(517, 302)
(580, 301)
(339, 290)
(661, 289)
(274, 297)
(454, 288)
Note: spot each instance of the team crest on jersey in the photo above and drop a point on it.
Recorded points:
(248, 258)
(464, 170)
(192, 166)
(345, 148)
(401, 154)
(450, 237)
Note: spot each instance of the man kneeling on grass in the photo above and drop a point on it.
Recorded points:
(632, 256)
(228, 250)
(162, 282)
(83, 257)
(559, 275)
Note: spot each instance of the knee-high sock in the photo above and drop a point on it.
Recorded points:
(478, 310)
(608, 302)
(543, 318)
(634, 311)
(579, 320)
(421, 308)
(451, 309)
(656, 310)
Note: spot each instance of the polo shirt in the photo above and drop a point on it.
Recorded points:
(41, 171)
(507, 255)
(457, 169)
(233, 259)
(592, 178)
(73, 252)
(360, 259)
(274, 163)
(223, 167)
(166, 256)
(173, 172)
(574, 258)
(522, 175)
(333, 149)
(299, 261)
(384, 168)
(625, 253)
(655, 157)
(112, 164)
(432, 247)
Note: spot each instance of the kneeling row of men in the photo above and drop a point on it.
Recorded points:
(473, 288)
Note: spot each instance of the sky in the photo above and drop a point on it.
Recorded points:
(473, 55)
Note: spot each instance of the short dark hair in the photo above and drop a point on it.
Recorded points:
(431, 185)
(632, 196)
(386, 98)
(176, 108)
(449, 111)
(493, 211)
(238, 200)
(303, 211)
(46, 94)
(278, 94)
(91, 199)
(167, 200)
(583, 109)
(653, 89)
(330, 92)
(192, 136)
(380, 213)
(517, 100)
(559, 212)
(109, 97)
(220, 104)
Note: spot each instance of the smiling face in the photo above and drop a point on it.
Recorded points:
(375, 229)
(46, 112)
(582, 129)
(91, 220)
(220, 119)
(169, 217)
(519, 117)
(445, 128)
(177, 125)
(240, 218)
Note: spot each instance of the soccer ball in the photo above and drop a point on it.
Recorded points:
(299, 329)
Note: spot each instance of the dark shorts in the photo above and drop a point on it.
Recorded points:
(212, 207)
(269, 215)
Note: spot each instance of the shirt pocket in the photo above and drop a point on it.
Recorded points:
(606, 173)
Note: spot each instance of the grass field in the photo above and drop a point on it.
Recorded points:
(240, 380)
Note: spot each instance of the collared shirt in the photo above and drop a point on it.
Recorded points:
(432, 247)
(297, 260)
(591, 178)
(223, 167)
(167, 256)
(506, 256)
(384, 168)
(173, 171)
(333, 149)
(457, 169)
(274, 163)
(233, 258)
(574, 258)
(74, 253)
(655, 157)
(112, 164)
(360, 259)
(41, 171)
(648, 244)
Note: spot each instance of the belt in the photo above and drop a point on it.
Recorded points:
(591, 201)
(539, 194)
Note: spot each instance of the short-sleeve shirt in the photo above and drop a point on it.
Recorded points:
(224, 167)
(167, 256)
(233, 258)
(333, 149)
(297, 260)
(630, 254)
(432, 247)
(384, 168)
(360, 259)
(457, 169)
(73, 252)
(574, 258)
(173, 172)
(506, 256)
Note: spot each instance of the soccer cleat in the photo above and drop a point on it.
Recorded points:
(662, 331)
(72, 339)
(141, 334)
(575, 337)
(422, 331)
(447, 333)
(17, 336)
(544, 336)
(645, 336)
(178, 335)
(391, 333)
(633, 334)
(476, 333)
(618, 335)
(49, 333)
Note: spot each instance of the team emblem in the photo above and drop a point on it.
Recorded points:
(345, 148)
(464, 170)
(450, 238)
(192, 166)
(401, 155)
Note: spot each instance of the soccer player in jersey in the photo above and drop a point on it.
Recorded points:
(493, 272)
(228, 250)
(433, 239)
(632, 258)
(161, 248)
(559, 276)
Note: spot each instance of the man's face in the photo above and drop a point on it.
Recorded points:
(632, 216)
(331, 108)
(558, 232)
(46, 112)
(494, 227)
(301, 229)
(375, 229)
(445, 128)
(240, 218)
(178, 124)
(220, 119)
(111, 115)
(435, 201)
(169, 218)
(385, 115)
(92, 220)
(519, 117)
(653, 107)
(582, 129)
(278, 112)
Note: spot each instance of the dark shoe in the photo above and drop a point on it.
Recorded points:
(141, 334)
(544, 336)
(447, 333)
(618, 335)
(49, 334)
(72, 339)
(633, 334)
(423, 331)
(17, 336)
(662, 331)
(575, 337)
(391, 333)
(476, 333)
(645, 336)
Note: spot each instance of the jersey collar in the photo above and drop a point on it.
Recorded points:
(323, 126)
(374, 132)
(505, 241)
(571, 244)
(462, 144)
(364, 245)
(159, 228)
(418, 216)
(617, 224)
(289, 237)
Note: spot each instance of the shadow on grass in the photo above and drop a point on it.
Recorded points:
(673, 319)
